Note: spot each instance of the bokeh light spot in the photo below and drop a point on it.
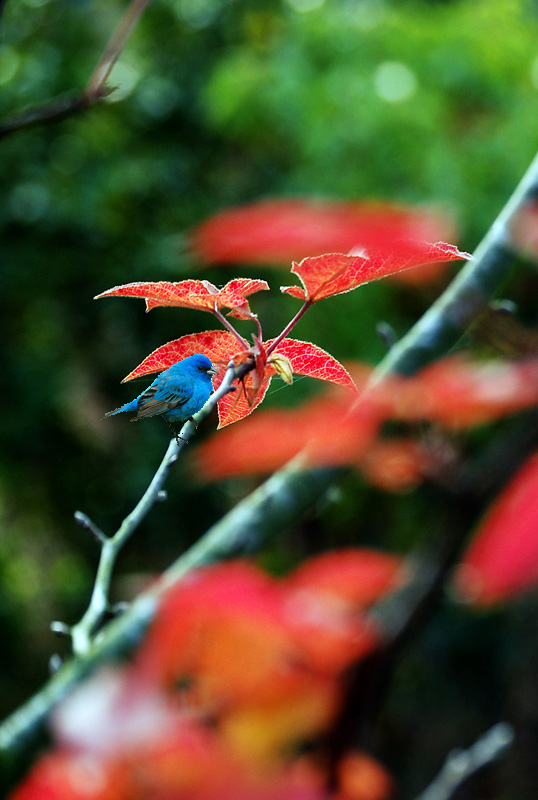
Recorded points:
(394, 81)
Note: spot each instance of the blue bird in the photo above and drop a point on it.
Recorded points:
(175, 394)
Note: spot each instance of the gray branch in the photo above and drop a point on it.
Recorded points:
(82, 633)
(463, 764)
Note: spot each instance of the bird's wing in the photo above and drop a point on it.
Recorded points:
(150, 406)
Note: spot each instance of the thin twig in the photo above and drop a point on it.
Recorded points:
(96, 89)
(83, 632)
(463, 764)
(115, 47)
(291, 324)
(228, 325)
(54, 110)
(86, 524)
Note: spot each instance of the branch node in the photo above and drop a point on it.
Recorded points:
(118, 608)
(86, 524)
(60, 628)
(55, 663)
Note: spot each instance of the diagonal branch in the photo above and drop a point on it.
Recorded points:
(463, 764)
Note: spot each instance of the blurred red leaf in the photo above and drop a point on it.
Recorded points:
(457, 393)
(71, 776)
(280, 231)
(357, 575)
(502, 558)
(336, 273)
(269, 440)
(395, 465)
(361, 777)
(200, 295)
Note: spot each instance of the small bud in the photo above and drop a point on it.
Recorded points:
(282, 366)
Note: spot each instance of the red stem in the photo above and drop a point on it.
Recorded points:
(228, 325)
(291, 324)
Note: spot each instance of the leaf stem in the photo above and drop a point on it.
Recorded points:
(228, 325)
(291, 324)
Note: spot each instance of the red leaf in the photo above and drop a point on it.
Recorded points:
(502, 559)
(396, 465)
(359, 576)
(458, 394)
(200, 295)
(280, 231)
(309, 359)
(237, 405)
(336, 273)
(218, 346)
(267, 441)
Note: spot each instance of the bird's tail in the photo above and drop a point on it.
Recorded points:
(132, 406)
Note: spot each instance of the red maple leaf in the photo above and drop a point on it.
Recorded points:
(200, 295)
(337, 273)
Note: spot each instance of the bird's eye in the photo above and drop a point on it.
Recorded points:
(202, 369)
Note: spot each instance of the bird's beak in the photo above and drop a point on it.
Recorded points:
(212, 371)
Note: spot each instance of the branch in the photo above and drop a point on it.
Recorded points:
(468, 294)
(285, 497)
(115, 46)
(96, 89)
(53, 111)
(463, 764)
(82, 633)
(291, 324)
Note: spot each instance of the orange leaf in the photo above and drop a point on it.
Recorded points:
(502, 559)
(280, 231)
(396, 465)
(457, 393)
(361, 777)
(336, 273)
(218, 346)
(269, 440)
(309, 359)
(200, 295)
(358, 575)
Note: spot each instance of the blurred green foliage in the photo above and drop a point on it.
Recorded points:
(218, 104)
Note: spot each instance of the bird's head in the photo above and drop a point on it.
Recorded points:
(200, 364)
